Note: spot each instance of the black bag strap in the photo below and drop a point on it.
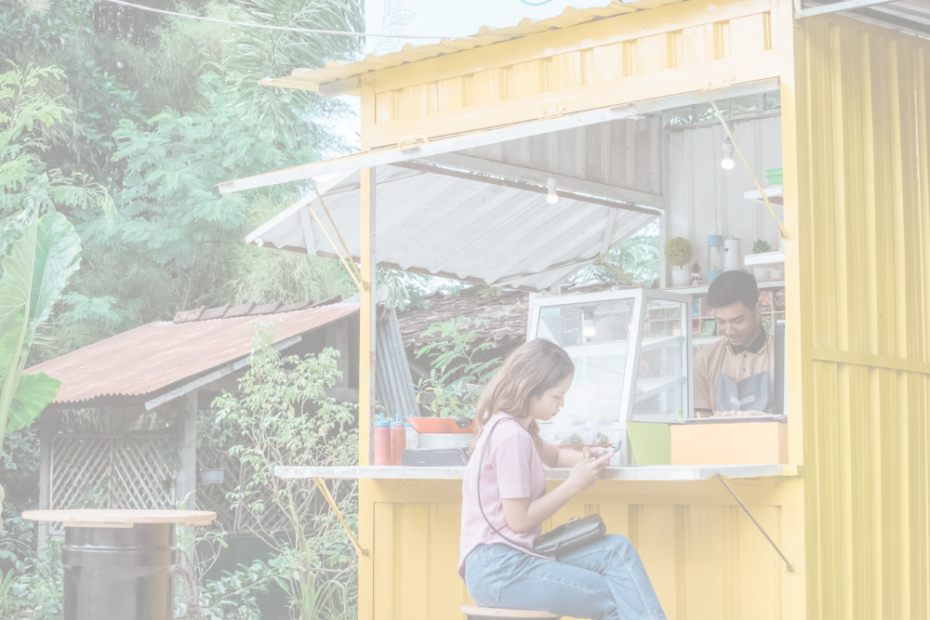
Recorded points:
(484, 448)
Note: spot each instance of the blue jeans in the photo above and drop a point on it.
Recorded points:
(605, 580)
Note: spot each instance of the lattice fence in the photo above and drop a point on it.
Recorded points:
(235, 520)
(103, 471)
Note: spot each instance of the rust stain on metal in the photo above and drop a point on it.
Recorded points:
(152, 357)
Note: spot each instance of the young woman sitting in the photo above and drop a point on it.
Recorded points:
(603, 580)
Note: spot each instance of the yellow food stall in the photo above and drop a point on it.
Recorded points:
(462, 142)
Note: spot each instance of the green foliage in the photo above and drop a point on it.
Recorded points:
(284, 416)
(761, 246)
(19, 463)
(233, 595)
(678, 251)
(32, 589)
(637, 256)
(34, 275)
(449, 391)
(405, 289)
(256, 53)
(28, 116)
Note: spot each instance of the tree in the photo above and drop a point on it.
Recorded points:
(283, 416)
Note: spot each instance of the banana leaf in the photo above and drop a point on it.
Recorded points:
(35, 274)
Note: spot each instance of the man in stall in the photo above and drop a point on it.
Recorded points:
(734, 376)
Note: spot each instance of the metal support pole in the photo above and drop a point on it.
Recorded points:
(321, 485)
(367, 319)
(753, 519)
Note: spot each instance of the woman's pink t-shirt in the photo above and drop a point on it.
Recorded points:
(513, 468)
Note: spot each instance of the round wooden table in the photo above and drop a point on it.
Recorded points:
(117, 563)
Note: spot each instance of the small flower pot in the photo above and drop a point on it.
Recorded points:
(212, 476)
(762, 274)
(681, 277)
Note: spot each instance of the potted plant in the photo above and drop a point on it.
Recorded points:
(677, 254)
(761, 246)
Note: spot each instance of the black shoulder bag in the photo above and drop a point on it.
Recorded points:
(565, 538)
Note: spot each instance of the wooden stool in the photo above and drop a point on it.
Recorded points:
(491, 613)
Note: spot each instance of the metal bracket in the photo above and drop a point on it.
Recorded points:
(753, 519)
(321, 485)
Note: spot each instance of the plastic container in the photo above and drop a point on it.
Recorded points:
(438, 425)
(733, 255)
(398, 441)
(774, 176)
(714, 257)
(412, 437)
(382, 443)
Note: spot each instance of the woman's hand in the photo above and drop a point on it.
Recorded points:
(585, 472)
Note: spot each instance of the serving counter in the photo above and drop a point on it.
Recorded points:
(651, 473)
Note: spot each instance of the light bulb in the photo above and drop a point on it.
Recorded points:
(727, 162)
(552, 197)
(589, 331)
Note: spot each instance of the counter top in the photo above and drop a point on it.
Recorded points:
(120, 518)
(654, 473)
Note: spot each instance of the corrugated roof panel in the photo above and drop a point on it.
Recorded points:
(154, 356)
(465, 228)
(485, 36)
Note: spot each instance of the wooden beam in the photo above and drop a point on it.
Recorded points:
(571, 184)
(185, 481)
(307, 227)
(213, 376)
(367, 316)
(608, 231)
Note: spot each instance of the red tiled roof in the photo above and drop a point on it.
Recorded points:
(152, 357)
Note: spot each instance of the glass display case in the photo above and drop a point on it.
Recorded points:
(631, 350)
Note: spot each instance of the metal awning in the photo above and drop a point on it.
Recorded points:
(465, 226)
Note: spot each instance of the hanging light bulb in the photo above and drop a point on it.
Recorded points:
(589, 330)
(551, 197)
(727, 162)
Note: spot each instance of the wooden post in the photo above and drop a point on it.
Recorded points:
(48, 423)
(185, 483)
(367, 322)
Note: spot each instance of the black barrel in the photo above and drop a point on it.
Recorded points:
(119, 573)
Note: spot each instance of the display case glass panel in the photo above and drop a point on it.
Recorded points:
(661, 374)
(605, 333)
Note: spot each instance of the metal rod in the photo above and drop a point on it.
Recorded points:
(321, 484)
(752, 174)
(345, 263)
(753, 519)
(336, 228)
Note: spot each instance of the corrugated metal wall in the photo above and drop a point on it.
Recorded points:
(704, 199)
(864, 232)
(706, 559)
(623, 153)
(394, 382)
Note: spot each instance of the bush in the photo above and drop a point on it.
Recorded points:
(678, 251)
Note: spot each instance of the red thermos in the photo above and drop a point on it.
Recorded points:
(398, 443)
(382, 443)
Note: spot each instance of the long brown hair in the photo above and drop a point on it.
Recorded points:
(529, 370)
